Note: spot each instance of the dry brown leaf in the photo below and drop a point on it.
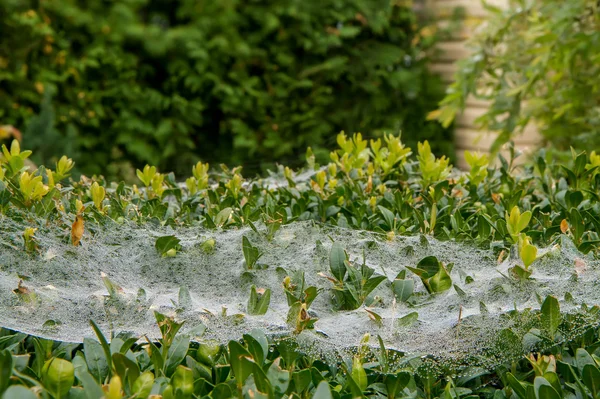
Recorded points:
(457, 193)
(77, 230)
(564, 226)
(21, 289)
(304, 314)
(496, 198)
(501, 256)
(579, 266)
(361, 18)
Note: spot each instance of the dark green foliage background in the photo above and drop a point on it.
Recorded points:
(117, 84)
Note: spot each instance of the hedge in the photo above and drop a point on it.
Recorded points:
(241, 82)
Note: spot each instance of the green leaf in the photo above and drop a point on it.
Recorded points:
(58, 376)
(105, 346)
(528, 254)
(337, 259)
(201, 370)
(6, 369)
(583, 358)
(183, 382)
(484, 229)
(524, 220)
(222, 217)
(388, 216)
(517, 386)
(395, 383)
(167, 243)
(430, 265)
(551, 315)
(92, 388)
(302, 380)
(258, 304)
(554, 380)
(577, 225)
(221, 390)
(251, 253)
(323, 391)
(403, 289)
(408, 320)
(143, 385)
(177, 352)
(359, 375)
(168, 327)
(241, 370)
(573, 198)
(441, 281)
(580, 163)
(18, 392)
(591, 378)
(260, 379)
(257, 347)
(126, 369)
(310, 295)
(279, 378)
(371, 284)
(544, 390)
(520, 272)
(208, 352)
(156, 357)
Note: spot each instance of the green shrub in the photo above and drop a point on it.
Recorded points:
(374, 185)
(168, 83)
(535, 61)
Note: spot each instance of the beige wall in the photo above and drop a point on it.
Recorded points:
(467, 136)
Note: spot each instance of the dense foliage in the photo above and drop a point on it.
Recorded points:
(374, 185)
(257, 367)
(121, 84)
(536, 61)
(371, 185)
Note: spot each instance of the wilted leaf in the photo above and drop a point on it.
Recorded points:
(564, 226)
(77, 230)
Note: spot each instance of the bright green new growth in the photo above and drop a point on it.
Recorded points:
(98, 194)
(432, 169)
(516, 222)
(179, 252)
(14, 159)
(478, 164)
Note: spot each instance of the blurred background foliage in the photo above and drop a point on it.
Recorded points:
(116, 84)
(535, 62)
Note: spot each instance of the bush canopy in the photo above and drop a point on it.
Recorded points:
(169, 83)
